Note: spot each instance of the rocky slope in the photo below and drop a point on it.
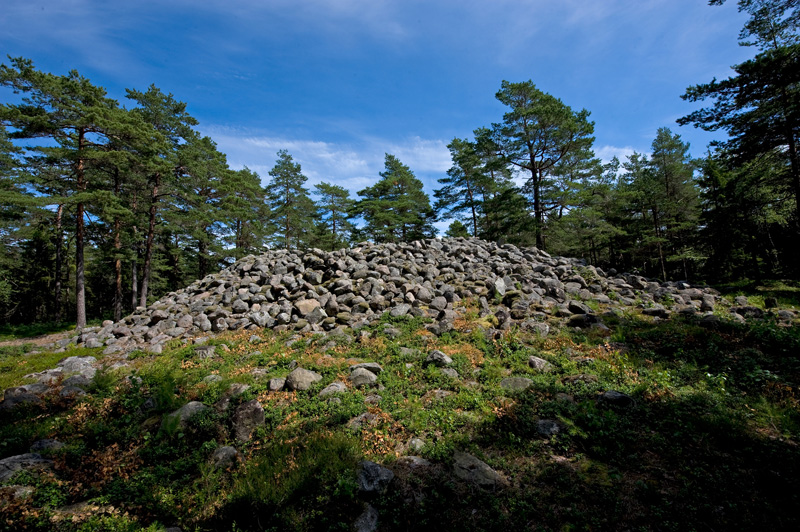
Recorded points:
(323, 291)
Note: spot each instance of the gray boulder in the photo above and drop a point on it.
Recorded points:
(185, 413)
(23, 462)
(302, 379)
(515, 384)
(333, 388)
(224, 457)
(616, 399)
(247, 417)
(363, 378)
(475, 471)
(373, 479)
(439, 359)
(367, 521)
(539, 364)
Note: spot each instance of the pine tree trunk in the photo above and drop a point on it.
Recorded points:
(59, 262)
(80, 287)
(135, 261)
(151, 233)
(202, 249)
(537, 210)
(658, 245)
(118, 258)
(134, 282)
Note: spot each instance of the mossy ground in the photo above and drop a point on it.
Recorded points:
(711, 443)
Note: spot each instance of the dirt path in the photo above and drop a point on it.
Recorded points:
(38, 340)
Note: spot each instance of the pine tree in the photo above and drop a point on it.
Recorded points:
(461, 195)
(82, 128)
(333, 214)
(158, 173)
(291, 208)
(537, 134)
(396, 209)
(244, 211)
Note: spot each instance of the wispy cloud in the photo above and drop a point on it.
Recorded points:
(606, 153)
(353, 165)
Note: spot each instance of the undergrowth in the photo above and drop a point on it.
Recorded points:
(709, 443)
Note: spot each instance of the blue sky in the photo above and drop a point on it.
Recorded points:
(340, 82)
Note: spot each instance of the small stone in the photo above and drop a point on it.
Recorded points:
(400, 310)
(438, 303)
(367, 419)
(374, 367)
(547, 427)
(449, 372)
(205, 351)
(415, 444)
(185, 413)
(46, 445)
(473, 470)
(413, 462)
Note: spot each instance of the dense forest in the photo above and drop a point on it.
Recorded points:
(105, 205)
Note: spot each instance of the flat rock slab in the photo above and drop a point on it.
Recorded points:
(9, 403)
(413, 462)
(23, 462)
(374, 367)
(475, 471)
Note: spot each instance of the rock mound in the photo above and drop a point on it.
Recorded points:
(322, 291)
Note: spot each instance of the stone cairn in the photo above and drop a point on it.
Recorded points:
(318, 291)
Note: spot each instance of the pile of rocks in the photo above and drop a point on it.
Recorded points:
(322, 291)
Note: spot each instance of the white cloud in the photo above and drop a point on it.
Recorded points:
(606, 153)
(353, 165)
(421, 155)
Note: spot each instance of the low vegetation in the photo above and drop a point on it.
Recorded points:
(709, 443)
